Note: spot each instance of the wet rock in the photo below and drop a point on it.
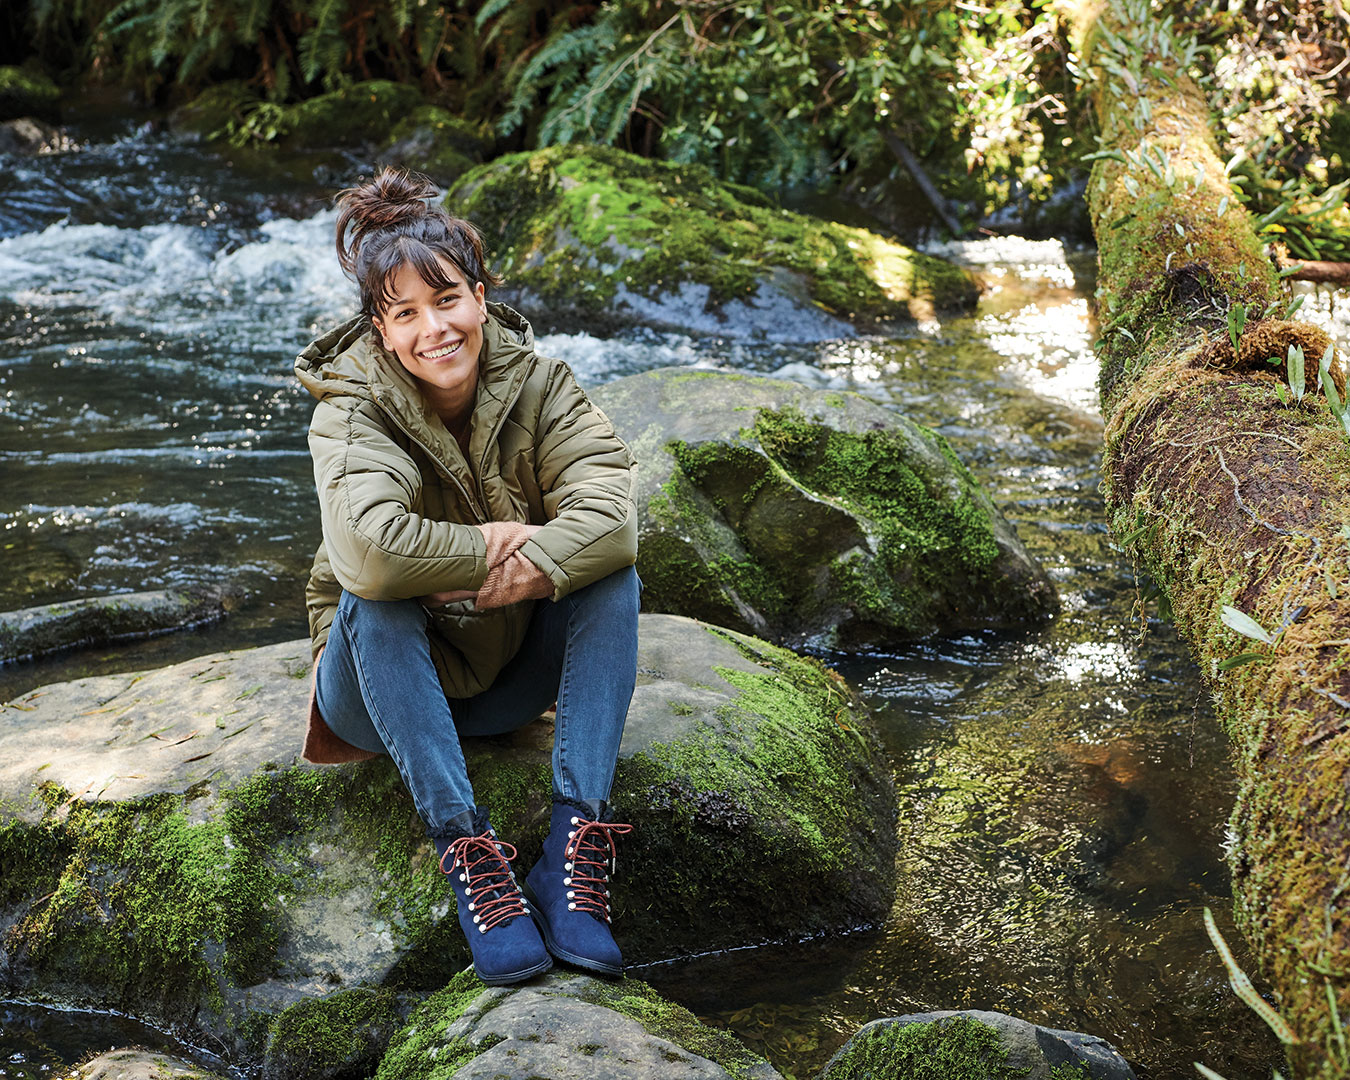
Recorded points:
(563, 1027)
(99, 620)
(28, 93)
(333, 1038)
(27, 136)
(166, 854)
(134, 1064)
(800, 514)
(973, 1045)
(596, 234)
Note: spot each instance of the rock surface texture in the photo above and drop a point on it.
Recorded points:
(595, 234)
(132, 1064)
(799, 514)
(563, 1027)
(973, 1045)
(166, 854)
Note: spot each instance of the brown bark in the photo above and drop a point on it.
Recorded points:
(1232, 499)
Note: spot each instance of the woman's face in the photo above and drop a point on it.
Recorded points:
(436, 334)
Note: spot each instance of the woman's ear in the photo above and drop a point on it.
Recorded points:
(480, 295)
(379, 329)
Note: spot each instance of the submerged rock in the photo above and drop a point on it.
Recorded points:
(563, 1027)
(165, 854)
(973, 1045)
(600, 234)
(98, 620)
(28, 136)
(796, 514)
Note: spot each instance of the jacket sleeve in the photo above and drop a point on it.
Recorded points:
(322, 593)
(585, 472)
(378, 546)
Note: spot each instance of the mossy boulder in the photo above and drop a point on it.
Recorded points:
(434, 141)
(98, 620)
(562, 1026)
(166, 854)
(362, 114)
(28, 93)
(594, 233)
(972, 1045)
(365, 112)
(800, 514)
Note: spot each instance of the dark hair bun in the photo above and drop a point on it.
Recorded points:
(395, 197)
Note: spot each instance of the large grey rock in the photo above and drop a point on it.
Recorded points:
(1004, 1045)
(808, 515)
(97, 620)
(166, 854)
(564, 1027)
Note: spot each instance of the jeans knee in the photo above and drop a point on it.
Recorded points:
(399, 615)
(621, 588)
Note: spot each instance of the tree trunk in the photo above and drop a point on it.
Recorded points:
(1230, 498)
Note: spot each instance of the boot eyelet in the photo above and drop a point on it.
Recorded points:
(576, 821)
(571, 895)
(567, 881)
(470, 905)
(482, 929)
(567, 866)
(477, 919)
(571, 907)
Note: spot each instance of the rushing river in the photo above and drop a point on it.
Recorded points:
(1063, 792)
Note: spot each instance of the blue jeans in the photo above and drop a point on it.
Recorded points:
(377, 688)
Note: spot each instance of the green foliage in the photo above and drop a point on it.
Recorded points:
(954, 1048)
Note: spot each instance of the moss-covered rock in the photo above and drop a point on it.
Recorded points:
(598, 233)
(972, 1045)
(362, 114)
(797, 514)
(365, 112)
(28, 93)
(563, 1025)
(342, 1035)
(165, 854)
(434, 141)
(98, 620)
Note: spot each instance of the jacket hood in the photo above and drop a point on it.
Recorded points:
(351, 360)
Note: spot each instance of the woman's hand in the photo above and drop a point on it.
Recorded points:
(503, 539)
(512, 581)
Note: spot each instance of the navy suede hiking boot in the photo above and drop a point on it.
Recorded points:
(569, 886)
(493, 915)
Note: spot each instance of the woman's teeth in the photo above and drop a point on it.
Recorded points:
(444, 350)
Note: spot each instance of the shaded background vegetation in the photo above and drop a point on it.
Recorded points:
(798, 92)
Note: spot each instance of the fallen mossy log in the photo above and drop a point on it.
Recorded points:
(1234, 494)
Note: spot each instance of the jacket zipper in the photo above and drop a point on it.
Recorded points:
(496, 430)
(468, 498)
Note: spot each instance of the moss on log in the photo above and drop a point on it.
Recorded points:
(1231, 497)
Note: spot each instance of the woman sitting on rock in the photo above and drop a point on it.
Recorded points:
(476, 567)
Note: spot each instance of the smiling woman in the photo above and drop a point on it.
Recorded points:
(462, 480)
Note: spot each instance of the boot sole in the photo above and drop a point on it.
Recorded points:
(514, 976)
(559, 953)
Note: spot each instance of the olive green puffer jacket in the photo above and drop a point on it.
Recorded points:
(399, 500)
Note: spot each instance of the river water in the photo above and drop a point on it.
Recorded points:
(1063, 791)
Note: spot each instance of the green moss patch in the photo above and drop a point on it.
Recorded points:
(421, 1050)
(790, 829)
(344, 1034)
(572, 224)
(28, 93)
(955, 1048)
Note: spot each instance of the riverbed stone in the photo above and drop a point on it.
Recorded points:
(563, 1026)
(598, 236)
(98, 620)
(136, 1064)
(799, 514)
(167, 854)
(973, 1044)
